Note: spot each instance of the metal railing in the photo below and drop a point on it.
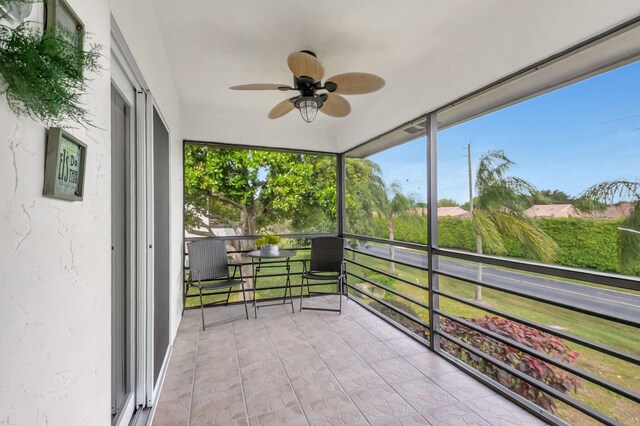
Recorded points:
(295, 284)
(429, 332)
(433, 331)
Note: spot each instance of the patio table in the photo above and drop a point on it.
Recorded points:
(275, 261)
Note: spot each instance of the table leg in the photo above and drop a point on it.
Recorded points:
(289, 287)
(254, 269)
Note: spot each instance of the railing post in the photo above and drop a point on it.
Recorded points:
(341, 187)
(432, 228)
(341, 210)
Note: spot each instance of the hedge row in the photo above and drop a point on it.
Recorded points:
(583, 243)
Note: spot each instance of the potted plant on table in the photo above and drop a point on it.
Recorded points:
(268, 244)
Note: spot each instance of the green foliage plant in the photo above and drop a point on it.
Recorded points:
(606, 193)
(535, 339)
(41, 74)
(266, 240)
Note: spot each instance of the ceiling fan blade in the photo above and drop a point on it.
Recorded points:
(336, 106)
(301, 63)
(357, 83)
(281, 109)
(261, 86)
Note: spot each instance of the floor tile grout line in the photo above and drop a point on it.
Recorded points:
(244, 398)
(331, 372)
(437, 384)
(385, 380)
(286, 373)
(263, 322)
(193, 380)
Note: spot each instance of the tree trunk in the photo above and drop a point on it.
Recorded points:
(478, 297)
(248, 221)
(392, 249)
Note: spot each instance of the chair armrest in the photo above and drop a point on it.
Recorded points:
(191, 274)
(237, 267)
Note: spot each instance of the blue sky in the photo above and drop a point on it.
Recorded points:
(568, 140)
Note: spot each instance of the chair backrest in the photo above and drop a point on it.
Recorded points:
(209, 258)
(327, 254)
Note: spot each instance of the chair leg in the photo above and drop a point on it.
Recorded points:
(255, 306)
(228, 295)
(201, 309)
(185, 290)
(340, 293)
(301, 288)
(244, 296)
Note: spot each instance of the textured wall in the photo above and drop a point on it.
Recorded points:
(55, 287)
(55, 268)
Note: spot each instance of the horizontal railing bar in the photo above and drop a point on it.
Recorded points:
(387, 274)
(399, 262)
(237, 302)
(390, 290)
(613, 280)
(587, 343)
(532, 381)
(405, 244)
(281, 248)
(383, 317)
(255, 237)
(606, 384)
(542, 300)
(259, 289)
(502, 390)
(390, 306)
(186, 254)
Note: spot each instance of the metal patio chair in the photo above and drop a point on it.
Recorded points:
(327, 264)
(209, 270)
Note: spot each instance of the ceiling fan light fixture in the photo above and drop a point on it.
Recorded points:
(308, 106)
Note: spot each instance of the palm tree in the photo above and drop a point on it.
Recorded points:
(389, 203)
(497, 214)
(599, 196)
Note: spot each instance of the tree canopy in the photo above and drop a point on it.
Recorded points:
(603, 194)
(497, 215)
(254, 190)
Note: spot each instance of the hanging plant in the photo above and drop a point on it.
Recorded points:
(42, 73)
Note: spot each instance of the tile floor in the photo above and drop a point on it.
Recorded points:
(317, 368)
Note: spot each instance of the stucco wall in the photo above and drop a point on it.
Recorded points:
(55, 285)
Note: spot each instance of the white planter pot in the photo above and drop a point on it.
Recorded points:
(269, 249)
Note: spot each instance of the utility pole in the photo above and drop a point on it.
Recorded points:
(470, 177)
(478, 239)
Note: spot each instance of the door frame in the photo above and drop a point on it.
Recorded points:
(128, 80)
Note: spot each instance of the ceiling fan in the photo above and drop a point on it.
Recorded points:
(307, 79)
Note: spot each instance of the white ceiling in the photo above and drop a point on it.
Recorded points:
(430, 52)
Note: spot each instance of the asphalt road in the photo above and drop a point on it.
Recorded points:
(606, 301)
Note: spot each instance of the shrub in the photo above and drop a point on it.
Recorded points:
(400, 319)
(530, 365)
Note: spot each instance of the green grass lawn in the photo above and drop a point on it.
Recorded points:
(597, 330)
(263, 282)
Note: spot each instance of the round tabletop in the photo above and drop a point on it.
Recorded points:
(272, 255)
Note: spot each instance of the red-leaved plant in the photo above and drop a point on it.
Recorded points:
(530, 365)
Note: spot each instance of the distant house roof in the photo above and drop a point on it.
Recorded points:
(551, 210)
(453, 211)
(567, 210)
(446, 211)
(615, 212)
